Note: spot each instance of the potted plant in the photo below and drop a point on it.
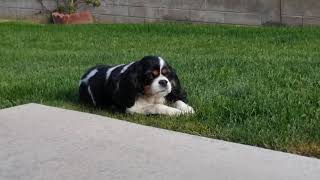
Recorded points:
(67, 13)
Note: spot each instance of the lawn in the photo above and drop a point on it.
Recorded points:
(251, 85)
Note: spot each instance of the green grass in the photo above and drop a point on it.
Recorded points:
(257, 86)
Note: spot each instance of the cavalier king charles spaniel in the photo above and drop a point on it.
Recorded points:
(148, 86)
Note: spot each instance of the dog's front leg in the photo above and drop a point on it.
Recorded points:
(185, 108)
(154, 109)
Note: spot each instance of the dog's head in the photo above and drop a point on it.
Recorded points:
(151, 76)
(155, 76)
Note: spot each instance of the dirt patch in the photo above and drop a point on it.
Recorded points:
(306, 149)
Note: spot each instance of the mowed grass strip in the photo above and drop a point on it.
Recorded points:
(251, 85)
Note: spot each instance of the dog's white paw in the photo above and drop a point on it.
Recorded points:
(174, 112)
(188, 110)
(185, 108)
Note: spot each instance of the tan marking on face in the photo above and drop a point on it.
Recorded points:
(155, 73)
(165, 71)
(147, 90)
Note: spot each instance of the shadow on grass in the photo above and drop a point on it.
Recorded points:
(67, 95)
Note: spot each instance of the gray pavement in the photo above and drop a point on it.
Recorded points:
(41, 142)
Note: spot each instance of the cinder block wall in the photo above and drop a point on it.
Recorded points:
(248, 12)
(300, 12)
(25, 9)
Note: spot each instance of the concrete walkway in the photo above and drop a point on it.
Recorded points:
(40, 142)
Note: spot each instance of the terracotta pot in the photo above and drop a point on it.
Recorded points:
(84, 17)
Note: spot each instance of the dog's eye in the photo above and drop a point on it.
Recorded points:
(165, 71)
(155, 73)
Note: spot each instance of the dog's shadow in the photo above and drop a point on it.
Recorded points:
(68, 95)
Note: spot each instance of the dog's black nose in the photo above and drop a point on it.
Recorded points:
(163, 83)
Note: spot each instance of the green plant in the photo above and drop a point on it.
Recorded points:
(70, 6)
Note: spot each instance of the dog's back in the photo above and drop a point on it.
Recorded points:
(92, 85)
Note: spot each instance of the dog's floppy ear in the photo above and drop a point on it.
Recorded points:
(177, 92)
(128, 88)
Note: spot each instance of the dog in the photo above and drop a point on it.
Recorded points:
(148, 86)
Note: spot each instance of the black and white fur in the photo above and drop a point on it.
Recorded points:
(147, 86)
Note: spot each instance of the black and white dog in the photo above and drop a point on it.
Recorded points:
(147, 86)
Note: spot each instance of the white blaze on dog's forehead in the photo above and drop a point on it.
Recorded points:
(112, 69)
(161, 62)
(88, 76)
(91, 95)
(126, 67)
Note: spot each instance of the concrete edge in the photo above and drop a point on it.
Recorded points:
(100, 117)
